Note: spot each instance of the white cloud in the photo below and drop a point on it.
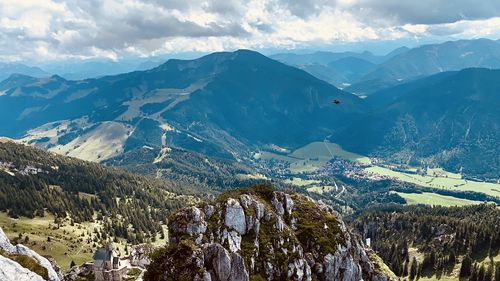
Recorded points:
(50, 29)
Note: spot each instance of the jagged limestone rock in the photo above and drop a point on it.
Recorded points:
(234, 240)
(12, 271)
(22, 250)
(235, 216)
(5, 243)
(238, 269)
(259, 233)
(25, 251)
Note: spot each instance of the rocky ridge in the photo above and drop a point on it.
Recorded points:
(261, 234)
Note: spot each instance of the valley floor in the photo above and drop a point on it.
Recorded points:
(319, 156)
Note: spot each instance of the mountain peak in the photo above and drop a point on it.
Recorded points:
(258, 233)
(56, 77)
(216, 57)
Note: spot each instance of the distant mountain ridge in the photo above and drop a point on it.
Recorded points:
(340, 69)
(8, 69)
(373, 73)
(428, 60)
(325, 57)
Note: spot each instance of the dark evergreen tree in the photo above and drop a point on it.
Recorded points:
(466, 267)
(413, 269)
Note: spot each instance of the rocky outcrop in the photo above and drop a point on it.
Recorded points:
(22, 250)
(11, 270)
(261, 234)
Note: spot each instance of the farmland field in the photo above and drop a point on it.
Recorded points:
(326, 151)
(312, 156)
(428, 198)
(450, 183)
(301, 182)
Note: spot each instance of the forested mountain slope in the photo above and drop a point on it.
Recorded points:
(34, 181)
(451, 120)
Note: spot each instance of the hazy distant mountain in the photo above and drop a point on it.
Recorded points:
(430, 59)
(340, 69)
(83, 69)
(7, 69)
(323, 57)
(218, 105)
(341, 72)
(451, 119)
(94, 68)
(397, 51)
(352, 68)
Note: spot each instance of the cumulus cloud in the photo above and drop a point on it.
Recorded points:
(55, 29)
(426, 11)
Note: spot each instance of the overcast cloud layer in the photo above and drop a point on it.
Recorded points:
(58, 29)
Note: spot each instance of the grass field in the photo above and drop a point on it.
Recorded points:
(453, 182)
(321, 189)
(428, 198)
(301, 182)
(439, 172)
(67, 243)
(313, 156)
(64, 245)
(311, 185)
(326, 151)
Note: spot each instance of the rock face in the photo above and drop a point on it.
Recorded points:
(22, 250)
(261, 234)
(11, 270)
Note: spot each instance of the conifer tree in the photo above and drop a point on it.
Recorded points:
(413, 269)
(465, 269)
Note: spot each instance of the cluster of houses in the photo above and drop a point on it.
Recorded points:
(28, 170)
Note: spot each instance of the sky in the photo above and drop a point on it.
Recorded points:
(45, 30)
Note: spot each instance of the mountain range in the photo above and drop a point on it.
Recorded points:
(220, 105)
(228, 105)
(427, 60)
(373, 73)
